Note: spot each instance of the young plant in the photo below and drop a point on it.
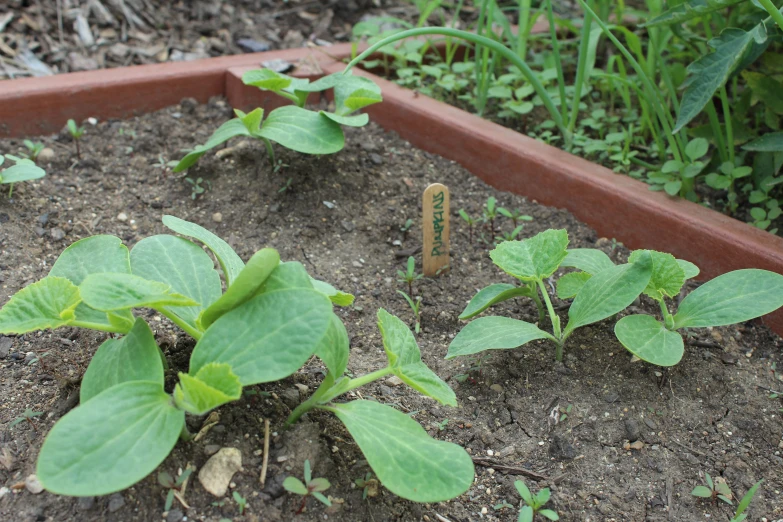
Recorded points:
(717, 490)
(725, 179)
(470, 221)
(410, 275)
(509, 236)
(310, 487)
(76, 133)
(406, 460)
(197, 189)
(532, 261)
(33, 149)
(293, 126)
(23, 170)
(490, 213)
(242, 502)
(415, 308)
(514, 215)
(176, 487)
(739, 514)
(27, 415)
(406, 227)
(534, 504)
(368, 484)
(127, 423)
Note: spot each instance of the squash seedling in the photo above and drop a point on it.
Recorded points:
(386, 436)
(23, 170)
(310, 487)
(293, 126)
(534, 504)
(76, 133)
(532, 261)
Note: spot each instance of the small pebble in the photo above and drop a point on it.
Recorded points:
(217, 217)
(122, 216)
(33, 485)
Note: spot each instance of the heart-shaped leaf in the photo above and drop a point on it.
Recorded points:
(406, 460)
(214, 384)
(492, 295)
(135, 357)
(494, 333)
(731, 298)
(533, 259)
(48, 303)
(24, 170)
(689, 269)
(111, 441)
(649, 340)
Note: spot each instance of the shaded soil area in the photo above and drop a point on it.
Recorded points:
(614, 440)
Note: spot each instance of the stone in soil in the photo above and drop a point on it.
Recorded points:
(216, 474)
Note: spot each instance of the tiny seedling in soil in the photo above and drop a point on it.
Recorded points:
(76, 133)
(509, 236)
(490, 214)
(27, 415)
(715, 490)
(310, 487)
(241, 501)
(474, 368)
(415, 308)
(369, 485)
(502, 505)
(197, 189)
(175, 487)
(33, 149)
(470, 221)
(406, 227)
(739, 514)
(442, 424)
(514, 215)
(286, 186)
(23, 170)
(410, 275)
(534, 504)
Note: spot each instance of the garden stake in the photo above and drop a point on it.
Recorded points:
(435, 215)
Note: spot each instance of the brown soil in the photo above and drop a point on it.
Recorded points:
(712, 413)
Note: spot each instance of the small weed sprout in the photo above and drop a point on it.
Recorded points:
(286, 186)
(514, 215)
(470, 221)
(197, 189)
(310, 487)
(410, 275)
(241, 501)
(442, 424)
(509, 236)
(415, 308)
(715, 490)
(176, 487)
(534, 504)
(406, 227)
(740, 515)
(33, 149)
(27, 415)
(76, 133)
(369, 485)
(490, 214)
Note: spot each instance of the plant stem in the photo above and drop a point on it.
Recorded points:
(667, 317)
(96, 326)
(185, 435)
(558, 64)
(181, 323)
(539, 305)
(270, 151)
(581, 66)
(774, 12)
(555, 319)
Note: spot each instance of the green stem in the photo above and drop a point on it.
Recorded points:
(539, 304)
(97, 326)
(580, 71)
(555, 319)
(185, 435)
(501, 49)
(558, 65)
(724, 98)
(668, 321)
(270, 151)
(774, 12)
(717, 133)
(196, 334)
(523, 29)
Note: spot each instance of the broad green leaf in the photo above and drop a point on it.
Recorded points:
(269, 337)
(92, 255)
(607, 293)
(336, 296)
(525, 514)
(406, 460)
(303, 131)
(689, 269)
(110, 292)
(533, 259)
(111, 441)
(135, 357)
(549, 514)
(590, 260)
(358, 120)
(267, 79)
(667, 276)
(87, 317)
(770, 142)
(688, 10)
(731, 298)
(48, 303)
(230, 262)
(290, 274)
(352, 93)
(523, 491)
(765, 89)
(649, 340)
(570, 284)
(494, 333)
(251, 120)
(183, 265)
(492, 295)
(711, 71)
(405, 359)
(24, 170)
(246, 285)
(214, 384)
(702, 491)
(335, 348)
(225, 132)
(294, 485)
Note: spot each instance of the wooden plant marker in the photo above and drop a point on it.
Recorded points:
(435, 217)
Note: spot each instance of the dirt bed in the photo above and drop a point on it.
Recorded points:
(712, 413)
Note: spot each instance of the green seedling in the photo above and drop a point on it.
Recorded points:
(739, 514)
(293, 126)
(514, 215)
(406, 227)
(242, 501)
(286, 186)
(564, 411)
(38, 359)
(509, 236)
(310, 487)
(415, 308)
(368, 484)
(33, 149)
(126, 423)
(490, 213)
(23, 170)
(502, 505)
(391, 440)
(533, 261)
(534, 504)
(410, 275)
(470, 221)
(197, 189)
(474, 367)
(176, 487)
(725, 179)
(27, 415)
(442, 424)
(76, 133)
(715, 490)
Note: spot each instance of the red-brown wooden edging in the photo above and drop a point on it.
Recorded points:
(614, 205)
